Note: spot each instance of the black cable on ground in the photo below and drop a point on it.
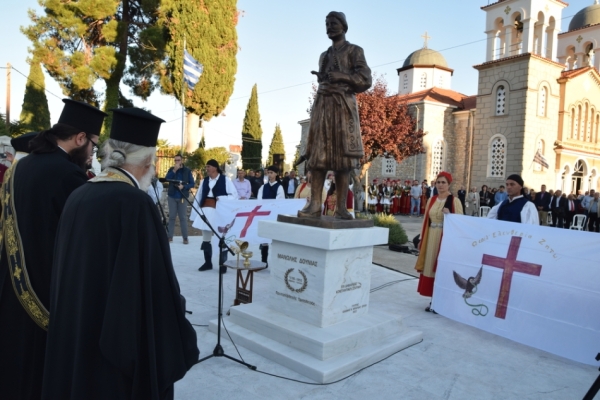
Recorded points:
(392, 269)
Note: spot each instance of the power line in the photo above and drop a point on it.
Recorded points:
(381, 65)
(32, 81)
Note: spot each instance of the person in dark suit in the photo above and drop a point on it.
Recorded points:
(290, 183)
(542, 203)
(571, 209)
(257, 182)
(485, 197)
(558, 206)
(462, 196)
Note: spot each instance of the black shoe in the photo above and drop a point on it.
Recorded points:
(207, 249)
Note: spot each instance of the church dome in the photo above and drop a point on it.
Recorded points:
(425, 56)
(586, 16)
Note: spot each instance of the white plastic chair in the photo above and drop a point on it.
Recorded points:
(483, 211)
(578, 222)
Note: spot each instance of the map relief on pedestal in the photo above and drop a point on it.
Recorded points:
(334, 141)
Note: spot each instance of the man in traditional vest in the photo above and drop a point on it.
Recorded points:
(270, 190)
(214, 188)
(38, 187)
(516, 208)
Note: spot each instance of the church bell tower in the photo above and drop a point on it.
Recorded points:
(518, 93)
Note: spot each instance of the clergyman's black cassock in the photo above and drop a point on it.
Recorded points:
(42, 184)
(117, 328)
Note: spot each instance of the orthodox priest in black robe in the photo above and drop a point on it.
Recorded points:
(34, 193)
(118, 328)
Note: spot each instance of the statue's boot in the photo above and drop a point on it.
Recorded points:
(341, 193)
(313, 208)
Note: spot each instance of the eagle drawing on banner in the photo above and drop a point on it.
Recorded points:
(468, 284)
(226, 228)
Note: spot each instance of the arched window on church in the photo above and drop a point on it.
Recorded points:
(590, 127)
(437, 158)
(500, 100)
(497, 157)
(585, 129)
(578, 130)
(424, 80)
(543, 95)
(596, 128)
(573, 123)
(405, 82)
(539, 149)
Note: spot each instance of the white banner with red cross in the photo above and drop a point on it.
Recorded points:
(240, 217)
(536, 285)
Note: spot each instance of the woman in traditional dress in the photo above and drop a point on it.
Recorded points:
(431, 232)
(330, 205)
(396, 199)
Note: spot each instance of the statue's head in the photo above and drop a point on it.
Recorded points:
(336, 24)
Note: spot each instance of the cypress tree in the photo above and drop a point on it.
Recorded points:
(208, 28)
(276, 145)
(35, 115)
(252, 134)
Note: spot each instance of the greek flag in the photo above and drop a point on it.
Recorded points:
(540, 159)
(192, 70)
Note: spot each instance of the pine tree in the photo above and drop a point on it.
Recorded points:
(80, 42)
(252, 134)
(296, 158)
(208, 28)
(276, 146)
(35, 115)
(202, 143)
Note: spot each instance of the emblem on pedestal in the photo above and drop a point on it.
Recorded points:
(295, 280)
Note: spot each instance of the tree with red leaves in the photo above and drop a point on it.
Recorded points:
(386, 126)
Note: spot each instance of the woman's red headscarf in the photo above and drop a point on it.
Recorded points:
(446, 175)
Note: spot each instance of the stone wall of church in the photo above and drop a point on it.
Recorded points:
(520, 125)
(456, 137)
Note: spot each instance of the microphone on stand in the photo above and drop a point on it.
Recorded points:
(175, 181)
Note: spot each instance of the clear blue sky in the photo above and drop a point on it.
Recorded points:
(280, 43)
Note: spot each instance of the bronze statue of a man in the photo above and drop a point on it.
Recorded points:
(334, 141)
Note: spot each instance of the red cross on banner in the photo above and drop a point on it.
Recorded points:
(509, 265)
(250, 215)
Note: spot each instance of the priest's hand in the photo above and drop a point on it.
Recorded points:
(446, 211)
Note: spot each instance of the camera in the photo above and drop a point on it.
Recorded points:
(2, 155)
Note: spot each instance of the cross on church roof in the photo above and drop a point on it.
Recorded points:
(426, 39)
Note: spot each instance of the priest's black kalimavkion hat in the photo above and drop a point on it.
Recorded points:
(135, 126)
(82, 116)
(21, 143)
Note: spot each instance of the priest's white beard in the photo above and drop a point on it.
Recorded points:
(146, 180)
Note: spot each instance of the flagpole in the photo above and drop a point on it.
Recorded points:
(183, 95)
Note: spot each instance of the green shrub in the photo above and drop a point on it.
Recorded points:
(397, 235)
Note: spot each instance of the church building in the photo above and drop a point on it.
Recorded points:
(536, 112)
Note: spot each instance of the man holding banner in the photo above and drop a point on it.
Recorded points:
(214, 188)
(516, 208)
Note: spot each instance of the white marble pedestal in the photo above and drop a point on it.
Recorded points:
(317, 320)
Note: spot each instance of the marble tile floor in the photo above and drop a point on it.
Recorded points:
(454, 361)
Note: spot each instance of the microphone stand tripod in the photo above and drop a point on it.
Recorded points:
(218, 350)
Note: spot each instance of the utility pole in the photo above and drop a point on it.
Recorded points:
(8, 69)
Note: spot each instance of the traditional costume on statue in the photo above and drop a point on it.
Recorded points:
(34, 193)
(334, 141)
(118, 328)
(431, 238)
